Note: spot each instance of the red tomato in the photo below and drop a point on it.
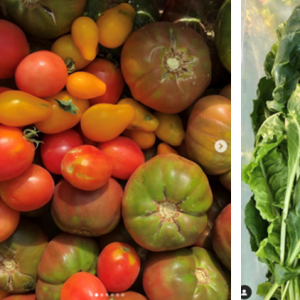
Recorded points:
(111, 75)
(55, 146)
(4, 89)
(41, 74)
(86, 167)
(127, 296)
(13, 48)
(9, 220)
(29, 191)
(17, 153)
(118, 267)
(125, 154)
(83, 286)
(86, 141)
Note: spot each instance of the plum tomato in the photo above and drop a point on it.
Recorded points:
(55, 146)
(83, 286)
(17, 152)
(110, 73)
(125, 154)
(9, 220)
(28, 191)
(13, 48)
(86, 167)
(118, 266)
(41, 74)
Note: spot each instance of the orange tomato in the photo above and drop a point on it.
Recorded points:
(20, 109)
(84, 33)
(84, 85)
(164, 148)
(144, 139)
(103, 122)
(3, 294)
(115, 25)
(67, 50)
(67, 112)
(9, 220)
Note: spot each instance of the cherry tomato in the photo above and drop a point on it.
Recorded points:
(67, 50)
(115, 25)
(144, 139)
(67, 112)
(55, 146)
(20, 109)
(118, 266)
(13, 48)
(17, 152)
(4, 89)
(41, 74)
(9, 220)
(127, 296)
(125, 154)
(28, 191)
(84, 33)
(104, 122)
(84, 85)
(86, 167)
(111, 75)
(83, 286)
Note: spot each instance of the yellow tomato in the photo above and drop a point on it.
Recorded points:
(144, 139)
(170, 129)
(20, 109)
(67, 50)
(84, 33)
(67, 112)
(84, 85)
(115, 25)
(164, 148)
(104, 122)
(143, 120)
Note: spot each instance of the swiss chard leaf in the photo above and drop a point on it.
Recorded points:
(269, 62)
(264, 288)
(284, 274)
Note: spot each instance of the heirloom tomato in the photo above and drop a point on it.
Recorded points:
(83, 286)
(17, 152)
(191, 274)
(86, 167)
(64, 256)
(20, 109)
(20, 256)
(87, 213)
(221, 236)
(67, 50)
(55, 146)
(9, 220)
(67, 111)
(46, 74)
(103, 122)
(165, 202)
(125, 154)
(28, 191)
(210, 123)
(166, 66)
(118, 266)
(110, 73)
(13, 48)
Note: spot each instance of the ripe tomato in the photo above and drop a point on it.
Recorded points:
(55, 146)
(111, 75)
(28, 191)
(13, 48)
(125, 154)
(127, 296)
(41, 74)
(9, 220)
(3, 294)
(118, 266)
(144, 139)
(17, 152)
(86, 167)
(21, 297)
(83, 286)
(4, 89)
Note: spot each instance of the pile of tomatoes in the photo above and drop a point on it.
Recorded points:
(111, 182)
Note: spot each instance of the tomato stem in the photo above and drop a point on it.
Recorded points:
(29, 135)
(70, 63)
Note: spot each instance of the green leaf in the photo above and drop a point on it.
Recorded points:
(264, 288)
(269, 63)
(283, 274)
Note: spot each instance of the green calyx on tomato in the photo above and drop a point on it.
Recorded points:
(68, 106)
(165, 203)
(20, 255)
